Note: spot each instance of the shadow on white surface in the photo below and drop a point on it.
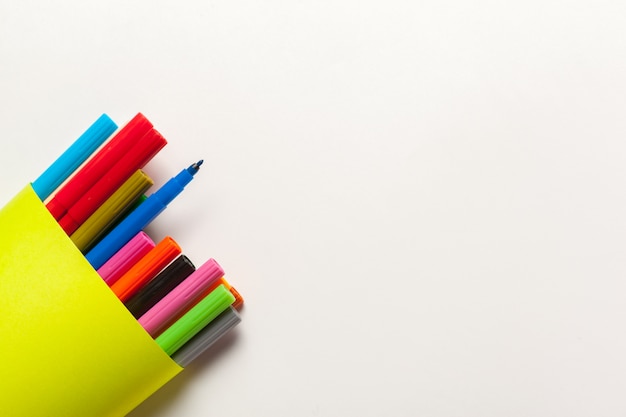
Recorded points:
(161, 401)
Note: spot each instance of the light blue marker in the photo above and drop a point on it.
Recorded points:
(140, 217)
(81, 149)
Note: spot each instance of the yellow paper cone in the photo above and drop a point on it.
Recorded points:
(68, 346)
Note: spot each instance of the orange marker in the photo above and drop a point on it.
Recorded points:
(222, 281)
(146, 269)
(238, 298)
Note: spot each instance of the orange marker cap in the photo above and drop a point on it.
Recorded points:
(146, 268)
(238, 304)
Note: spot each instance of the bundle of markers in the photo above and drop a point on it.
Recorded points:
(95, 191)
(103, 210)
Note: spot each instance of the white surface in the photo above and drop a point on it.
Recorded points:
(423, 203)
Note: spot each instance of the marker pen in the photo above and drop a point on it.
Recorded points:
(140, 217)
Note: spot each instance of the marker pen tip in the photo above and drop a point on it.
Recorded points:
(193, 168)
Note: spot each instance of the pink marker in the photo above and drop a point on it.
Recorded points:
(125, 258)
(185, 295)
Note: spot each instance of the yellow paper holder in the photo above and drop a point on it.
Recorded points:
(69, 347)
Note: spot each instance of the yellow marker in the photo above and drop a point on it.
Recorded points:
(98, 223)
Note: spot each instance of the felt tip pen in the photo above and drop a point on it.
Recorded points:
(76, 154)
(238, 304)
(103, 218)
(194, 320)
(146, 269)
(206, 337)
(125, 258)
(136, 158)
(98, 165)
(140, 217)
(160, 286)
(185, 295)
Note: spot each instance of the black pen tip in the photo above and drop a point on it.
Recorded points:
(193, 168)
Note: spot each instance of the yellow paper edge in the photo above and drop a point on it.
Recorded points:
(68, 346)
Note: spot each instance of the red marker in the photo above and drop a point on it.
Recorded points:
(97, 166)
(138, 156)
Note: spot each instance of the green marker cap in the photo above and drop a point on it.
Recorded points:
(195, 319)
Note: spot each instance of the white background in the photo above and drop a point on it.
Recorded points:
(423, 203)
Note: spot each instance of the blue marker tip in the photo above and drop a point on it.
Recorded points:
(193, 168)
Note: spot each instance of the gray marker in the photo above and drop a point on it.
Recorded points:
(206, 337)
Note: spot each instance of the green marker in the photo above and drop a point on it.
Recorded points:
(195, 319)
